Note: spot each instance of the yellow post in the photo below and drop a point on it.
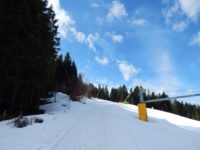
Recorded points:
(142, 112)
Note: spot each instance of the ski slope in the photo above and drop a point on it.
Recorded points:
(101, 125)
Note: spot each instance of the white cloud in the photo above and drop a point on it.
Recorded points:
(116, 37)
(170, 13)
(165, 82)
(171, 16)
(94, 5)
(99, 20)
(116, 11)
(79, 36)
(127, 70)
(179, 27)
(182, 11)
(138, 22)
(67, 26)
(102, 61)
(191, 8)
(91, 39)
(64, 19)
(196, 39)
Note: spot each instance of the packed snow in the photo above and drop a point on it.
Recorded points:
(95, 124)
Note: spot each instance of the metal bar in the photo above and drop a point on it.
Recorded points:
(170, 98)
(128, 96)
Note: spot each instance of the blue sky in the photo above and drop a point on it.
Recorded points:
(153, 43)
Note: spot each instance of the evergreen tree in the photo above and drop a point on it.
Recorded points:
(106, 93)
(29, 46)
(113, 95)
(67, 79)
(94, 91)
(135, 96)
(130, 100)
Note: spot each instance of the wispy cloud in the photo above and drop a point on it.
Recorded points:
(79, 36)
(139, 17)
(99, 20)
(116, 11)
(196, 39)
(138, 22)
(118, 38)
(67, 26)
(91, 39)
(94, 5)
(65, 21)
(181, 12)
(127, 70)
(173, 18)
(179, 27)
(191, 8)
(102, 61)
(170, 13)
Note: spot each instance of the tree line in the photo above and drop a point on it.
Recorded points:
(120, 94)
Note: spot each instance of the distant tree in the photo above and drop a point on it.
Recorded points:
(165, 105)
(178, 108)
(135, 96)
(82, 87)
(130, 100)
(113, 95)
(106, 93)
(94, 91)
(67, 79)
(89, 90)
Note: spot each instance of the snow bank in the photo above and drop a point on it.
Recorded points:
(101, 125)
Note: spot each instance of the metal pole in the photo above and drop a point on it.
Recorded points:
(141, 92)
(171, 98)
(128, 96)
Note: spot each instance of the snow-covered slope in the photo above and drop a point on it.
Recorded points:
(101, 125)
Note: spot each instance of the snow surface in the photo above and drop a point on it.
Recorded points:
(101, 125)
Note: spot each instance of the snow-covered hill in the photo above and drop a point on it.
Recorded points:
(101, 125)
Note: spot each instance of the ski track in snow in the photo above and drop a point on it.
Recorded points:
(111, 129)
(102, 125)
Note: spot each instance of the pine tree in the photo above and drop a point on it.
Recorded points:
(135, 96)
(113, 95)
(94, 91)
(130, 100)
(28, 48)
(67, 79)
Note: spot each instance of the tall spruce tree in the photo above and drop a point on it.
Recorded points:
(28, 48)
(135, 96)
(113, 95)
(67, 79)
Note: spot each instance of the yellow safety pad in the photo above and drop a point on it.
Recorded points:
(142, 112)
